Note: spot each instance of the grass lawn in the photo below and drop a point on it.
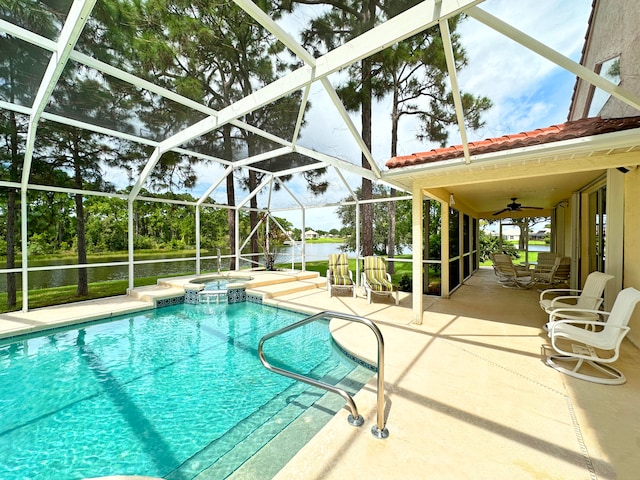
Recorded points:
(320, 266)
(47, 297)
(325, 240)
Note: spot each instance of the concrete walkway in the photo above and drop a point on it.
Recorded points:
(467, 395)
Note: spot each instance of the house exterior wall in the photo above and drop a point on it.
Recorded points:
(631, 242)
(614, 31)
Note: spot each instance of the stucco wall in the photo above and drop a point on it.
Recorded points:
(614, 32)
(632, 244)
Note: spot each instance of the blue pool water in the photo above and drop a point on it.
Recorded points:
(220, 283)
(163, 393)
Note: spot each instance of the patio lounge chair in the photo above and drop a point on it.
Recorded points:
(598, 342)
(376, 280)
(558, 275)
(589, 298)
(338, 274)
(546, 260)
(510, 275)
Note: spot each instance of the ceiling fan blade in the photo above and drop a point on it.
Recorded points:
(502, 211)
(533, 208)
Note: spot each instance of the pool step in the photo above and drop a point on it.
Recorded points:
(286, 288)
(235, 448)
(153, 293)
(283, 447)
(264, 284)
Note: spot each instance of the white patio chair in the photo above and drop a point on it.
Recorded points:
(593, 345)
(589, 298)
(559, 273)
(510, 275)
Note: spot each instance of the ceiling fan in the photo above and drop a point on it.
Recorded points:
(516, 207)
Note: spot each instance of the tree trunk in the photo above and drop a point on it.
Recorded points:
(253, 218)
(12, 214)
(392, 206)
(369, 16)
(231, 196)
(253, 204)
(83, 283)
(367, 187)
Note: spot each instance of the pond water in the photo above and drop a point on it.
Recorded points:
(56, 278)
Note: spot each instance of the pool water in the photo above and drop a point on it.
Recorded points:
(166, 393)
(220, 283)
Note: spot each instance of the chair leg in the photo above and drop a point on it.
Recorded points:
(613, 376)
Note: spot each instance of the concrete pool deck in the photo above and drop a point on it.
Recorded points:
(467, 395)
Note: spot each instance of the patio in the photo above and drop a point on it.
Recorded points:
(467, 395)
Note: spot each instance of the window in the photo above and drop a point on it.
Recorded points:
(609, 70)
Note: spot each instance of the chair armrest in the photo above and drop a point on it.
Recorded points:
(598, 301)
(559, 311)
(558, 290)
(543, 268)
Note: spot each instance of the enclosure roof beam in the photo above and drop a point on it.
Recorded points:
(295, 198)
(445, 34)
(412, 21)
(76, 19)
(107, 69)
(264, 183)
(228, 171)
(260, 16)
(262, 157)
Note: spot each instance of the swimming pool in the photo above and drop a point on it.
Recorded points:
(169, 393)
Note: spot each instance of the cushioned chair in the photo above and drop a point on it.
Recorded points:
(338, 274)
(510, 275)
(589, 298)
(592, 344)
(376, 280)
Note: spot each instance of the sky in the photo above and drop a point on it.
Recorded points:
(527, 92)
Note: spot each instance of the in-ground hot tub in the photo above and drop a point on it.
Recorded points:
(216, 287)
(219, 282)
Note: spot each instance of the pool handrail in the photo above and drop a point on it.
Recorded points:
(379, 430)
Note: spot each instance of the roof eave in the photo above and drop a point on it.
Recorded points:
(542, 155)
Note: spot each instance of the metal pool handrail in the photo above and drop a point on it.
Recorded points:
(379, 430)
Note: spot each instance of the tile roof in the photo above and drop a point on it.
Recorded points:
(565, 131)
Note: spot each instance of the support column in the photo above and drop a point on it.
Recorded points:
(237, 246)
(417, 239)
(197, 239)
(130, 242)
(24, 236)
(444, 250)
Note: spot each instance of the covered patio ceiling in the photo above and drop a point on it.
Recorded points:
(539, 176)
